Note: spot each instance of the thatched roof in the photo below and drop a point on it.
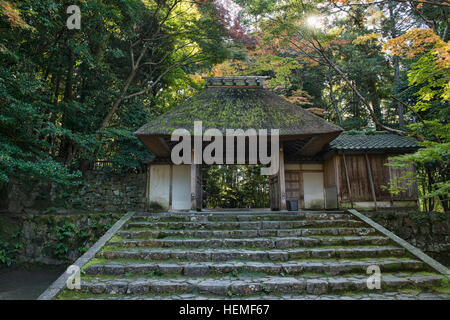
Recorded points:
(241, 103)
(239, 108)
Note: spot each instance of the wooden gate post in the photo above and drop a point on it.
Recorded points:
(282, 181)
(372, 185)
(196, 185)
(194, 188)
(347, 179)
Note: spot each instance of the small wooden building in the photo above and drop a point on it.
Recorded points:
(320, 167)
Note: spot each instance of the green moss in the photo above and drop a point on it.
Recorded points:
(94, 261)
(116, 238)
(237, 108)
(445, 286)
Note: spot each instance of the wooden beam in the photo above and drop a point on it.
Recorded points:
(193, 183)
(147, 189)
(199, 187)
(391, 198)
(196, 187)
(372, 185)
(337, 178)
(282, 181)
(171, 187)
(348, 180)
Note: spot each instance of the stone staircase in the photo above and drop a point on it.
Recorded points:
(257, 255)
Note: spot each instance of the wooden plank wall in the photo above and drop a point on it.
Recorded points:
(330, 183)
(359, 178)
(411, 190)
(329, 176)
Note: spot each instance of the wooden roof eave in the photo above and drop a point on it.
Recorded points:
(157, 145)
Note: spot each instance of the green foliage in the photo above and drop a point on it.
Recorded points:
(398, 185)
(57, 85)
(71, 238)
(431, 163)
(432, 81)
(430, 75)
(9, 249)
(409, 83)
(235, 187)
(64, 234)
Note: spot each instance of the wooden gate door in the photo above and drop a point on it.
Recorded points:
(294, 186)
(274, 192)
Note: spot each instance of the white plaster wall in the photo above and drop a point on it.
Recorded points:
(313, 190)
(160, 184)
(181, 187)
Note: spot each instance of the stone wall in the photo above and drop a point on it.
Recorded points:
(429, 232)
(100, 191)
(50, 238)
(113, 193)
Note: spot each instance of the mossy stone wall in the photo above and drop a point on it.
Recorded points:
(428, 231)
(99, 191)
(51, 238)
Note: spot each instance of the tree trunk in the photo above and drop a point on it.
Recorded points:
(334, 102)
(118, 100)
(134, 67)
(369, 108)
(396, 61)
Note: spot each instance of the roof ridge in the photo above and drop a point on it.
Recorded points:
(236, 81)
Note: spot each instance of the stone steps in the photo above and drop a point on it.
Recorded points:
(391, 295)
(247, 225)
(271, 243)
(181, 217)
(250, 255)
(256, 233)
(236, 267)
(246, 286)
(217, 255)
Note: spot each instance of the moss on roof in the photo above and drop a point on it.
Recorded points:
(373, 141)
(239, 108)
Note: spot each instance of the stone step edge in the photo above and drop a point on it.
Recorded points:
(243, 287)
(239, 218)
(216, 225)
(357, 230)
(249, 255)
(368, 295)
(232, 213)
(289, 268)
(59, 284)
(254, 251)
(274, 242)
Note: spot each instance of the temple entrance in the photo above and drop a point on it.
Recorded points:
(234, 186)
(236, 120)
